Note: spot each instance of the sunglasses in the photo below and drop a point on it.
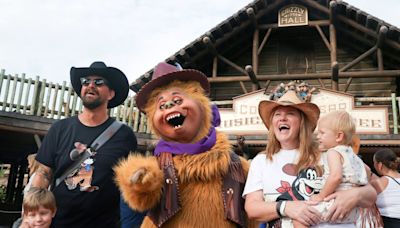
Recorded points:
(97, 81)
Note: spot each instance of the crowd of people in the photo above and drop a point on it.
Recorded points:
(308, 176)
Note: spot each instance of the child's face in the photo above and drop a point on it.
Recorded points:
(40, 218)
(327, 138)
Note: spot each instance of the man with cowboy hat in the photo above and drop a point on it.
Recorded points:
(87, 197)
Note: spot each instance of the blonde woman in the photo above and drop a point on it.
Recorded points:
(276, 172)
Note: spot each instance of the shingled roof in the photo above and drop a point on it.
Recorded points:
(354, 26)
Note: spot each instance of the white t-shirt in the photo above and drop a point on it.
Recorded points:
(272, 176)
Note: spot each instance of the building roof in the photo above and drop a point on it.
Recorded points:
(355, 28)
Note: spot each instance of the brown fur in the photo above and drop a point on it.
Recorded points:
(200, 184)
(146, 194)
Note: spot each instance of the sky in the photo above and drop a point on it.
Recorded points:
(47, 37)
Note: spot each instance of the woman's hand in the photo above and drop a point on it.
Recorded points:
(347, 200)
(302, 212)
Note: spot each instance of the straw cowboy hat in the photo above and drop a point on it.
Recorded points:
(290, 98)
(165, 73)
(116, 80)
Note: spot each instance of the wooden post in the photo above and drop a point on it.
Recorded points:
(136, 120)
(130, 110)
(21, 90)
(13, 89)
(28, 89)
(74, 102)
(255, 50)
(333, 46)
(6, 92)
(335, 76)
(2, 73)
(215, 67)
(332, 32)
(253, 77)
(36, 91)
(394, 112)
(53, 107)
(379, 43)
(61, 100)
(70, 93)
(380, 59)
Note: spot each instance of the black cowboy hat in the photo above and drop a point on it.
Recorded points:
(164, 74)
(116, 80)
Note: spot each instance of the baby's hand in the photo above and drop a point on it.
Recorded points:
(316, 198)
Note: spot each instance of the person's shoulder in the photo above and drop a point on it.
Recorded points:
(126, 129)
(63, 122)
(260, 157)
(380, 184)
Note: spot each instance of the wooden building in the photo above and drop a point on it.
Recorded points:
(331, 45)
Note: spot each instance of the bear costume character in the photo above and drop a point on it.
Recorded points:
(194, 178)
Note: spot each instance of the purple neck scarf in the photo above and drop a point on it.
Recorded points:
(201, 146)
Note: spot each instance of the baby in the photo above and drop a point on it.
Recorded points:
(343, 169)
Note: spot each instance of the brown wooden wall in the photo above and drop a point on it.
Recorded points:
(293, 44)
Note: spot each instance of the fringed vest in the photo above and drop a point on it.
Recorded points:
(232, 188)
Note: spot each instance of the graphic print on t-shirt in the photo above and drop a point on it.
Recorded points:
(306, 184)
(82, 176)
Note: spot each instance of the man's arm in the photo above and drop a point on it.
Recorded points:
(43, 177)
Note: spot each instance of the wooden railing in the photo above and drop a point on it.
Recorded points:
(57, 101)
(52, 100)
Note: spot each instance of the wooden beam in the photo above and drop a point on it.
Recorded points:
(264, 41)
(252, 16)
(325, 75)
(210, 46)
(335, 76)
(267, 84)
(213, 50)
(358, 59)
(321, 33)
(232, 64)
(350, 22)
(253, 77)
(243, 87)
(322, 84)
(366, 41)
(332, 12)
(347, 84)
(381, 36)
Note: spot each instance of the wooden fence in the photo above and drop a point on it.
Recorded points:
(57, 101)
(46, 99)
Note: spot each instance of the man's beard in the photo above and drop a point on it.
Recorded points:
(91, 104)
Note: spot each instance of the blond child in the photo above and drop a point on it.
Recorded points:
(39, 208)
(343, 169)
